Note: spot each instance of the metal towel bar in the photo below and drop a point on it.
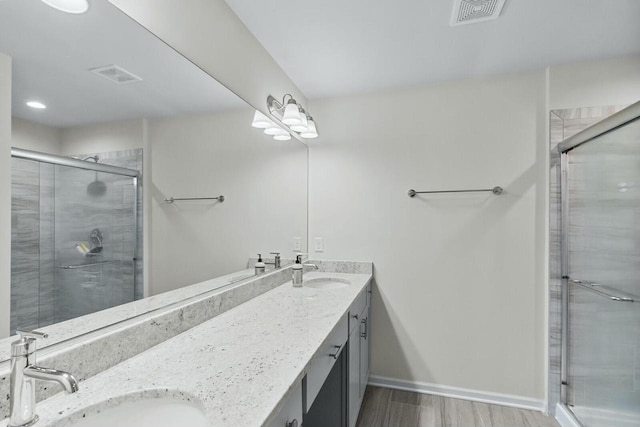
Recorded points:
(173, 199)
(594, 287)
(495, 190)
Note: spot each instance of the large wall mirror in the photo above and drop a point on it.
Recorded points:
(107, 123)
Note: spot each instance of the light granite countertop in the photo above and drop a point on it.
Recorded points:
(239, 366)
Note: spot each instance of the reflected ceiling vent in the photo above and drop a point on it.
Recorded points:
(116, 74)
(471, 11)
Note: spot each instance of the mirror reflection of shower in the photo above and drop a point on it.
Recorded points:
(76, 235)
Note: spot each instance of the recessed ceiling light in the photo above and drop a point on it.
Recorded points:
(37, 105)
(69, 6)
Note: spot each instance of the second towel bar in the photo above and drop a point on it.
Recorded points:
(495, 190)
(174, 199)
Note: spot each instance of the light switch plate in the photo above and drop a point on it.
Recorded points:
(318, 244)
(297, 244)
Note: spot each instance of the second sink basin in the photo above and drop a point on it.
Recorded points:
(326, 283)
(160, 412)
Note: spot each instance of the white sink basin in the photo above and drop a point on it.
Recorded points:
(149, 412)
(326, 283)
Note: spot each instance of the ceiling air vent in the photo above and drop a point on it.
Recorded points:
(471, 11)
(116, 74)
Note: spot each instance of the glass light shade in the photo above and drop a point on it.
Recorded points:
(282, 136)
(260, 121)
(291, 114)
(273, 130)
(311, 131)
(303, 126)
(69, 6)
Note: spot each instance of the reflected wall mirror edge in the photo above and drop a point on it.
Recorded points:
(86, 239)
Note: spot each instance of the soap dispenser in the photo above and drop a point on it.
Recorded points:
(260, 266)
(297, 271)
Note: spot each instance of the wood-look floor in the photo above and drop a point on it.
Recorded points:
(384, 407)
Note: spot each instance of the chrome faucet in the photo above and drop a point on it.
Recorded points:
(276, 260)
(302, 256)
(24, 372)
(310, 265)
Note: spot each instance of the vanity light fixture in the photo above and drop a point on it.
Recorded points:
(291, 116)
(37, 105)
(287, 114)
(69, 6)
(302, 126)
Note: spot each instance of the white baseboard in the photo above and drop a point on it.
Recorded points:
(459, 393)
(564, 417)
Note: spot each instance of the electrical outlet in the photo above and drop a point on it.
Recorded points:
(297, 244)
(318, 244)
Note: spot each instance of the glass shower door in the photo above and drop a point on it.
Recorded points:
(603, 225)
(95, 241)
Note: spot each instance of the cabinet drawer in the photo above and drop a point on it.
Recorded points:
(356, 308)
(327, 356)
(291, 413)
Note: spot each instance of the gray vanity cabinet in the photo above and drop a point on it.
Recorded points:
(336, 381)
(359, 353)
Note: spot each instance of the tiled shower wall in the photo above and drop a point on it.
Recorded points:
(563, 124)
(41, 292)
(32, 270)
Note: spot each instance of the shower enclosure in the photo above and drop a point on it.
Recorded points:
(600, 232)
(75, 238)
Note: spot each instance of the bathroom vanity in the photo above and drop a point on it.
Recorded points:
(275, 360)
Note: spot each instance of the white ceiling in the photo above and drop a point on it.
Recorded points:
(53, 51)
(335, 47)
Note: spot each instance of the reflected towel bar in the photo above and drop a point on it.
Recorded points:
(592, 287)
(495, 190)
(173, 199)
(78, 266)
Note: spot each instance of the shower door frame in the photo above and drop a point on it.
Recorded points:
(607, 125)
(53, 159)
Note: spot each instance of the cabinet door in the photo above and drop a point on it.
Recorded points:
(365, 346)
(354, 376)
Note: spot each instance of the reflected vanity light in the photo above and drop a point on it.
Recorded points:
(37, 105)
(69, 6)
(261, 121)
(289, 114)
(283, 135)
(273, 130)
